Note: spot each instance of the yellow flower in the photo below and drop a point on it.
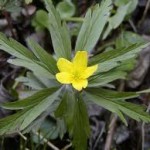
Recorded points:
(75, 72)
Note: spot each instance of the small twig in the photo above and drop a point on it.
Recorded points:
(98, 138)
(133, 25)
(25, 138)
(143, 129)
(47, 142)
(112, 124)
(67, 146)
(110, 133)
(145, 12)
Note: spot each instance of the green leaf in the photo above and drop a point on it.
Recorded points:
(33, 113)
(22, 119)
(28, 1)
(37, 82)
(43, 56)
(15, 48)
(10, 6)
(93, 25)
(109, 94)
(29, 101)
(36, 67)
(40, 20)
(35, 124)
(144, 91)
(73, 110)
(127, 65)
(106, 77)
(81, 127)
(117, 55)
(25, 58)
(113, 101)
(59, 33)
(127, 38)
(11, 124)
(132, 6)
(66, 9)
(66, 109)
(116, 19)
(31, 81)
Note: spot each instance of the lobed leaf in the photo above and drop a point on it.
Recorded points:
(22, 119)
(73, 110)
(66, 9)
(29, 101)
(113, 101)
(117, 55)
(35, 66)
(15, 48)
(59, 32)
(113, 95)
(93, 25)
(25, 58)
(106, 77)
(37, 82)
(81, 127)
(43, 56)
(40, 20)
(117, 19)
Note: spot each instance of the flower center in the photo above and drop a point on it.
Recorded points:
(76, 75)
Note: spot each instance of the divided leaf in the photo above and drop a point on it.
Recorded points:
(15, 48)
(93, 26)
(81, 127)
(37, 82)
(117, 55)
(33, 106)
(117, 19)
(73, 110)
(59, 32)
(40, 20)
(120, 72)
(43, 56)
(66, 8)
(114, 101)
(35, 66)
(25, 58)
(29, 101)
(106, 77)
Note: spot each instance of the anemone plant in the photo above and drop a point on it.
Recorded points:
(64, 85)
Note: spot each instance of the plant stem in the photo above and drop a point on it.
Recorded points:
(112, 124)
(47, 142)
(67, 146)
(23, 137)
(145, 12)
(74, 19)
(110, 133)
(133, 25)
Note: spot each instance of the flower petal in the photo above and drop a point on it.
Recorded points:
(80, 59)
(64, 65)
(79, 84)
(89, 71)
(64, 77)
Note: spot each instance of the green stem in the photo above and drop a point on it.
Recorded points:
(74, 19)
